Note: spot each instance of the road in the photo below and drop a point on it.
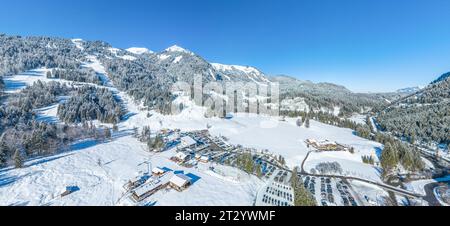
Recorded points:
(430, 197)
(385, 186)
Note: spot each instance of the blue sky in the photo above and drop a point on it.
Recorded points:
(366, 45)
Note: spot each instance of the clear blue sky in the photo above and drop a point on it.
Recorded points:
(366, 45)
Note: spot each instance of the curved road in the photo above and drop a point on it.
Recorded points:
(388, 187)
(430, 198)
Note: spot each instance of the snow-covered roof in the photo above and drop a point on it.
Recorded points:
(153, 184)
(327, 142)
(204, 158)
(157, 170)
(172, 136)
(180, 180)
(147, 187)
(187, 141)
(181, 155)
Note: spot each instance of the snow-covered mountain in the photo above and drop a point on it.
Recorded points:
(236, 71)
(148, 76)
(409, 90)
(327, 97)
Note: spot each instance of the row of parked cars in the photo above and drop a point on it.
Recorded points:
(326, 191)
(279, 193)
(346, 196)
(274, 202)
(310, 184)
(327, 196)
(281, 177)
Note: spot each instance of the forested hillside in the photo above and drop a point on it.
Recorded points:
(424, 116)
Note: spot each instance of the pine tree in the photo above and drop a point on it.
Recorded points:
(299, 123)
(302, 197)
(135, 132)
(307, 123)
(258, 171)
(18, 160)
(389, 158)
(107, 133)
(412, 138)
(115, 128)
(3, 153)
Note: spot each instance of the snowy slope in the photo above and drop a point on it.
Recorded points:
(43, 180)
(235, 70)
(138, 50)
(18, 82)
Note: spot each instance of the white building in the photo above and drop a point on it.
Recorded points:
(181, 157)
(186, 142)
(204, 158)
(180, 182)
(158, 171)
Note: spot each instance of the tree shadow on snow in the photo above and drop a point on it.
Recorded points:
(128, 116)
(47, 119)
(150, 203)
(5, 179)
(32, 73)
(14, 85)
(80, 145)
(378, 152)
(31, 162)
(122, 133)
(20, 203)
(42, 160)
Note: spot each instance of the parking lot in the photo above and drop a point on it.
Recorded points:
(277, 192)
(330, 191)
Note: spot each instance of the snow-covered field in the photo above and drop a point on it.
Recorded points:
(351, 164)
(100, 171)
(373, 195)
(418, 186)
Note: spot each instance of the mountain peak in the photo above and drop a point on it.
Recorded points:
(176, 48)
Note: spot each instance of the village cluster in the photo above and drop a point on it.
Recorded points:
(327, 145)
(190, 149)
(199, 147)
